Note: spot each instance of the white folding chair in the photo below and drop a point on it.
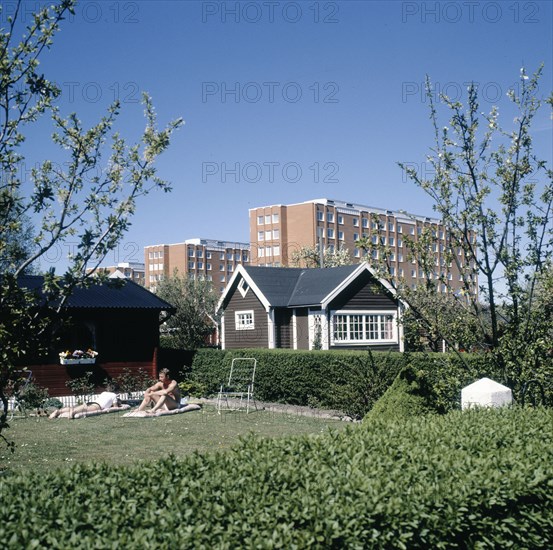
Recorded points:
(239, 387)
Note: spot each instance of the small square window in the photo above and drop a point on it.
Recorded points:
(244, 320)
(329, 217)
(261, 235)
(341, 220)
(355, 222)
(268, 218)
(259, 220)
(275, 218)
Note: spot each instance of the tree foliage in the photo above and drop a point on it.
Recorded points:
(90, 199)
(310, 257)
(494, 197)
(194, 320)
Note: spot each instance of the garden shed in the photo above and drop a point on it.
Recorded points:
(118, 319)
(346, 307)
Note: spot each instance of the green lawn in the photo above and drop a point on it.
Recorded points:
(44, 445)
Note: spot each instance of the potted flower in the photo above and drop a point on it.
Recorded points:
(78, 357)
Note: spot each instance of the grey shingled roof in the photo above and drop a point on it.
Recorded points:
(124, 294)
(287, 286)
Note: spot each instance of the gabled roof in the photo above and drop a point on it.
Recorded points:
(315, 284)
(118, 294)
(298, 287)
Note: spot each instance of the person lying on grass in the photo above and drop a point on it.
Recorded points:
(163, 394)
(104, 401)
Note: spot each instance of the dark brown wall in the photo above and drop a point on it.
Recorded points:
(55, 376)
(120, 334)
(364, 293)
(256, 338)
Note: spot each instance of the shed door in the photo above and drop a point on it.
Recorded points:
(302, 328)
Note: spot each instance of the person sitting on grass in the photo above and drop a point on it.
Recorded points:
(163, 394)
(104, 401)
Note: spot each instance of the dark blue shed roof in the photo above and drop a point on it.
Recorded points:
(123, 294)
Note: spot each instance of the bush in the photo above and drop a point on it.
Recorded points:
(130, 381)
(478, 479)
(408, 396)
(33, 396)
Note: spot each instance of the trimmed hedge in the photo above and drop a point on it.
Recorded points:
(328, 379)
(351, 381)
(479, 479)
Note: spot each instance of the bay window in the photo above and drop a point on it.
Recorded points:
(361, 327)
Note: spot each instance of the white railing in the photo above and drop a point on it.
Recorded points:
(72, 400)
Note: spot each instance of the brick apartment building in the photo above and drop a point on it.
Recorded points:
(277, 231)
(125, 270)
(198, 258)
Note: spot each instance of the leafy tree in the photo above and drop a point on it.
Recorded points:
(17, 244)
(195, 301)
(309, 256)
(495, 198)
(91, 199)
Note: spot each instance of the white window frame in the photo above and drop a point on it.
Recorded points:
(244, 320)
(243, 287)
(365, 318)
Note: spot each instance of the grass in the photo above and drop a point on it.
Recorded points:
(45, 445)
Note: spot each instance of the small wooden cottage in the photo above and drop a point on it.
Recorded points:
(332, 308)
(118, 320)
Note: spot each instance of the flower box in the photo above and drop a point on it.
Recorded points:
(86, 361)
(78, 357)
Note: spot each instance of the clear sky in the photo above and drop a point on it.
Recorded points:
(287, 101)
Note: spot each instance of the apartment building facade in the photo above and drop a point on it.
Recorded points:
(125, 270)
(207, 259)
(277, 231)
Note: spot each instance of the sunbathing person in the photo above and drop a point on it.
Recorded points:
(165, 393)
(104, 401)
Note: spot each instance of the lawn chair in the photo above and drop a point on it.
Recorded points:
(23, 379)
(239, 387)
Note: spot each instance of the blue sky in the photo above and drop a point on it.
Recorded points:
(327, 96)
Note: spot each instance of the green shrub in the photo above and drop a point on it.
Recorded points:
(408, 396)
(478, 479)
(192, 389)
